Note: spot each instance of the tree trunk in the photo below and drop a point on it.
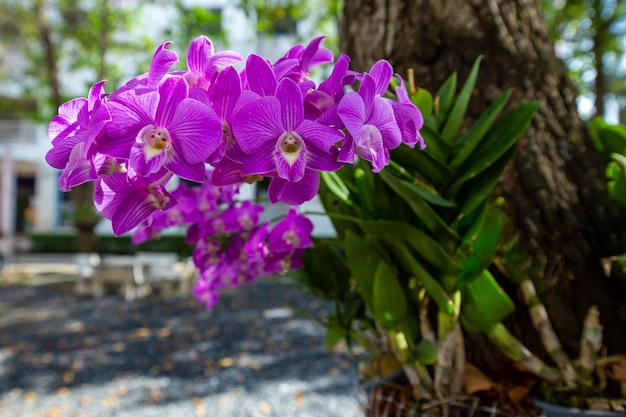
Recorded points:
(555, 188)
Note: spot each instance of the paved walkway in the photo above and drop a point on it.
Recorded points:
(68, 355)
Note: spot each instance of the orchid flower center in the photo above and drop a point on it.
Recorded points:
(290, 145)
(156, 197)
(157, 138)
(291, 238)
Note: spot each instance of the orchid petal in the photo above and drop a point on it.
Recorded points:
(351, 110)
(383, 118)
(367, 91)
(196, 130)
(381, 72)
(171, 92)
(294, 193)
(260, 76)
(200, 50)
(225, 92)
(178, 165)
(258, 123)
(259, 163)
(292, 108)
(162, 61)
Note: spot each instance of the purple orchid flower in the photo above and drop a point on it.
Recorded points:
(409, 117)
(204, 63)
(128, 199)
(372, 127)
(305, 57)
(72, 132)
(162, 128)
(279, 142)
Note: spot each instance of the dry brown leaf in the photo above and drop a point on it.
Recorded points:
(299, 399)
(474, 380)
(67, 377)
(30, 397)
(63, 392)
(619, 369)
(226, 362)
(518, 393)
(265, 408)
(164, 332)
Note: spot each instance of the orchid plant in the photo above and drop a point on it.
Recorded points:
(216, 126)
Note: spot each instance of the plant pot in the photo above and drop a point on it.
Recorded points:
(553, 410)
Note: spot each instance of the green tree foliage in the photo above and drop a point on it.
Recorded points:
(57, 37)
(193, 21)
(590, 38)
(281, 16)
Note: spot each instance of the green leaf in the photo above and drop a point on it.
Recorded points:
(425, 352)
(480, 188)
(428, 248)
(457, 113)
(325, 271)
(432, 286)
(616, 170)
(429, 196)
(424, 101)
(506, 133)
(433, 170)
(466, 145)
(607, 138)
(390, 306)
(444, 98)
(421, 208)
(336, 186)
(484, 304)
(335, 332)
(363, 257)
(436, 147)
(364, 182)
(480, 243)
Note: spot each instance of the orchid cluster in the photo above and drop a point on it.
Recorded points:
(267, 120)
(232, 246)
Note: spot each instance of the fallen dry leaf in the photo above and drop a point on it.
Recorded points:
(265, 408)
(30, 397)
(474, 380)
(299, 399)
(518, 393)
(619, 370)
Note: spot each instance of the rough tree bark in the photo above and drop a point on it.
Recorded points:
(555, 188)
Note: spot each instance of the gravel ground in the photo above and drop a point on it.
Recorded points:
(64, 355)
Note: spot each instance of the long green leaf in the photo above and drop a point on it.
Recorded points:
(480, 188)
(434, 171)
(432, 286)
(428, 248)
(444, 98)
(480, 243)
(500, 138)
(389, 305)
(363, 258)
(336, 186)
(457, 113)
(469, 141)
(484, 304)
(607, 138)
(616, 170)
(421, 208)
(424, 101)
(436, 147)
